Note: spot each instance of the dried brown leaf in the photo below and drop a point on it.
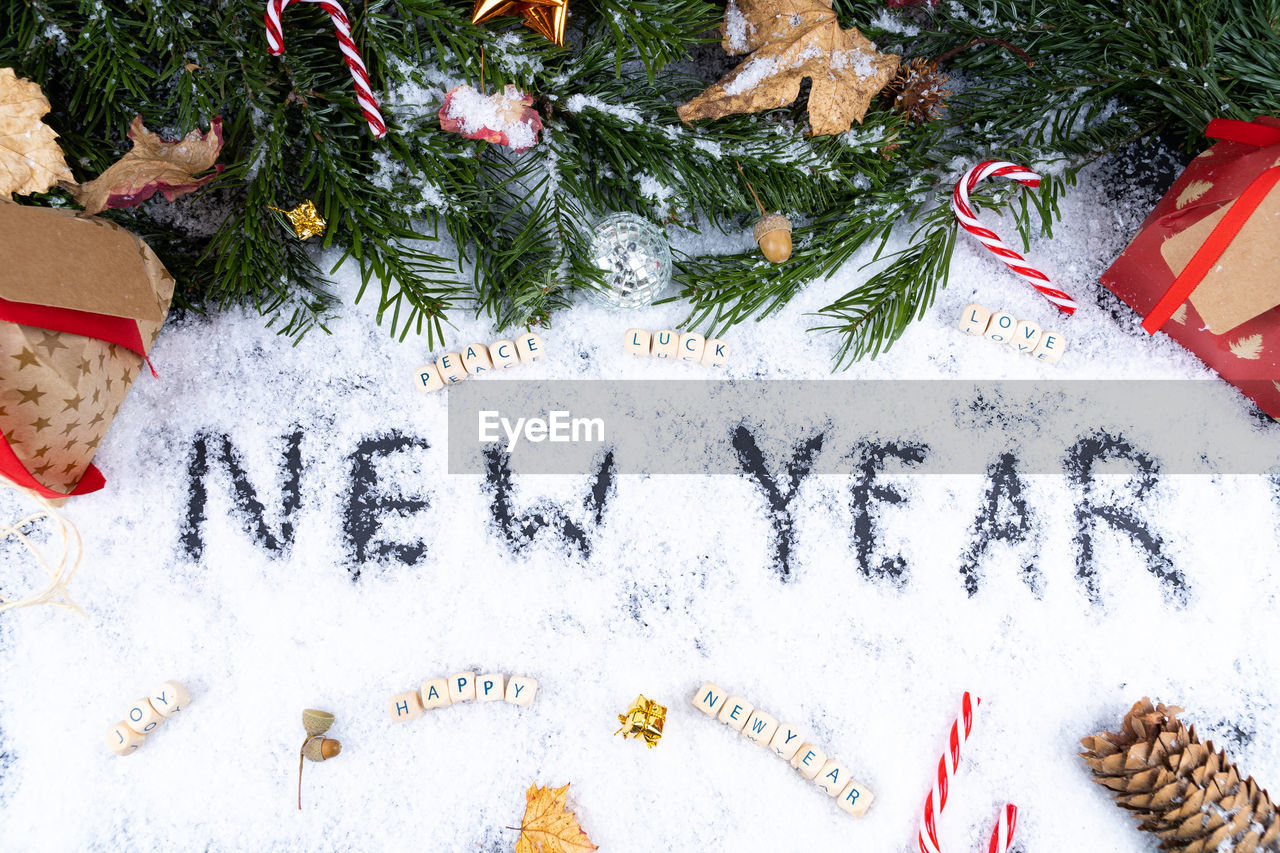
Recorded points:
(30, 159)
(547, 827)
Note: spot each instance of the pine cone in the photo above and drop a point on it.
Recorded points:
(1181, 790)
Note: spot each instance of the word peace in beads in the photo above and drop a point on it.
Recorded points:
(458, 688)
(474, 359)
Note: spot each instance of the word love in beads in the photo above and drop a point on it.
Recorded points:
(677, 346)
(453, 367)
(786, 742)
(1002, 328)
(144, 715)
(461, 687)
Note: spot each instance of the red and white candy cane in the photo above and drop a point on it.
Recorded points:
(937, 799)
(969, 222)
(342, 26)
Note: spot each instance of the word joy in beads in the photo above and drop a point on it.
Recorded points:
(1002, 328)
(474, 359)
(785, 741)
(461, 687)
(677, 346)
(144, 715)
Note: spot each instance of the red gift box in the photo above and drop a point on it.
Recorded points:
(1205, 265)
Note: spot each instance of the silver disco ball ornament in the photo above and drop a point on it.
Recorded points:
(635, 257)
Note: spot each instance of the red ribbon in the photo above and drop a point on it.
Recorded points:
(113, 330)
(1211, 251)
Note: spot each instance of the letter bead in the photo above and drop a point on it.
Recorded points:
(637, 342)
(832, 778)
(736, 712)
(709, 699)
(521, 690)
(404, 707)
(691, 347)
(490, 688)
(462, 687)
(429, 379)
(786, 741)
(715, 353)
(143, 718)
(169, 698)
(1025, 337)
(123, 740)
(503, 355)
(475, 359)
(665, 344)
(974, 318)
(1000, 328)
(529, 348)
(451, 369)
(760, 727)
(435, 694)
(1051, 347)
(808, 760)
(856, 798)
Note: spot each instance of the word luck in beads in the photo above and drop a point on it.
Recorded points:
(474, 359)
(1002, 328)
(786, 742)
(461, 687)
(677, 346)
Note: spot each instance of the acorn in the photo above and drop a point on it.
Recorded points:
(773, 235)
(316, 722)
(316, 747)
(320, 748)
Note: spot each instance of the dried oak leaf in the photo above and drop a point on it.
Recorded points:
(503, 118)
(789, 40)
(154, 164)
(547, 827)
(30, 159)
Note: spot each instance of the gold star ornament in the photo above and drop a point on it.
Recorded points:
(545, 16)
(305, 219)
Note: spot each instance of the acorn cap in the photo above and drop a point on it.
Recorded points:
(316, 722)
(320, 749)
(769, 223)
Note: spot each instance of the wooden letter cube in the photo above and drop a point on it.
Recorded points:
(637, 342)
(808, 760)
(1000, 329)
(490, 688)
(404, 707)
(462, 687)
(786, 741)
(429, 379)
(691, 347)
(1025, 336)
(503, 355)
(856, 798)
(715, 353)
(709, 699)
(735, 712)
(1051, 347)
(760, 727)
(973, 319)
(832, 777)
(435, 694)
(529, 346)
(123, 740)
(665, 344)
(475, 359)
(169, 698)
(521, 690)
(451, 369)
(142, 718)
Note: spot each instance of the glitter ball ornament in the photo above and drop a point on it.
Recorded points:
(635, 257)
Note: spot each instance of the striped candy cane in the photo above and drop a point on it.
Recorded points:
(927, 838)
(969, 222)
(342, 26)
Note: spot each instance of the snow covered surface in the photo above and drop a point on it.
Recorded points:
(678, 587)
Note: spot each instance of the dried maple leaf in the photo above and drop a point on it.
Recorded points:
(790, 40)
(154, 164)
(504, 118)
(30, 159)
(547, 827)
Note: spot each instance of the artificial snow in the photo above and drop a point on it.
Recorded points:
(387, 571)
